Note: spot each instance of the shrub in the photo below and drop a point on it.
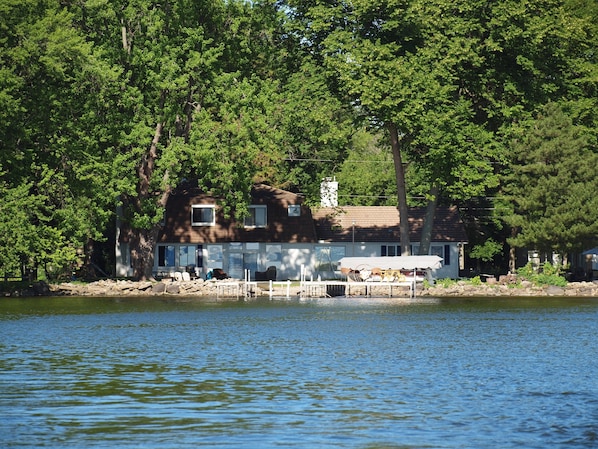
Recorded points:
(445, 282)
(549, 275)
(475, 280)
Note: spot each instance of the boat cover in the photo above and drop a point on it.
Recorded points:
(391, 263)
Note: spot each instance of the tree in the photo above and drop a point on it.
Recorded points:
(316, 130)
(204, 99)
(485, 252)
(552, 186)
(367, 176)
(445, 79)
(401, 72)
(53, 87)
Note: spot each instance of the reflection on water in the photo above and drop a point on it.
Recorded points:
(470, 373)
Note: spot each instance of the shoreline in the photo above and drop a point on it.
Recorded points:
(219, 289)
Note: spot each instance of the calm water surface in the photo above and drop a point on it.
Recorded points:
(148, 373)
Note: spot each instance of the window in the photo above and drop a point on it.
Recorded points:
(202, 215)
(257, 218)
(294, 210)
(390, 250)
(187, 255)
(165, 255)
(327, 258)
(447, 254)
(437, 250)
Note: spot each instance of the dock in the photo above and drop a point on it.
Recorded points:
(324, 289)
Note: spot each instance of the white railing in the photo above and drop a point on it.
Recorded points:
(283, 284)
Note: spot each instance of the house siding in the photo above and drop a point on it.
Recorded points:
(289, 259)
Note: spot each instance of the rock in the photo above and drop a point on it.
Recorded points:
(506, 286)
(173, 288)
(143, 286)
(159, 287)
(553, 290)
(41, 288)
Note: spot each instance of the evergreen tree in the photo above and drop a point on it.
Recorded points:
(552, 187)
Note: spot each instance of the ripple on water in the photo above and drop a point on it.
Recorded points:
(364, 374)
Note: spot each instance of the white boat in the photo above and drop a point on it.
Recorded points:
(415, 268)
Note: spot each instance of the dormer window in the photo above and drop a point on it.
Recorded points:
(203, 215)
(257, 218)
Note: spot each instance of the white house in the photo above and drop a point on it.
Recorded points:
(282, 232)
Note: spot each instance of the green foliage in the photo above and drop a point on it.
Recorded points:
(486, 251)
(367, 176)
(476, 280)
(552, 185)
(316, 131)
(549, 274)
(446, 282)
(54, 128)
(103, 102)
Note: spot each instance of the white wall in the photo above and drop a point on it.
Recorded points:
(293, 256)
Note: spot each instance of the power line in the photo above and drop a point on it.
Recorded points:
(363, 161)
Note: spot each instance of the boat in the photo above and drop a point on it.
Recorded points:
(397, 268)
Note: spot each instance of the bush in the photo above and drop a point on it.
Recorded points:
(445, 283)
(549, 275)
(475, 280)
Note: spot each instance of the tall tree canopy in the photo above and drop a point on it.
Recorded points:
(196, 103)
(55, 94)
(104, 103)
(445, 79)
(552, 187)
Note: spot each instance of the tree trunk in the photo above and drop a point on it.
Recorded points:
(512, 254)
(401, 189)
(426, 238)
(143, 242)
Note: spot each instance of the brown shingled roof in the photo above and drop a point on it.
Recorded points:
(381, 224)
(281, 228)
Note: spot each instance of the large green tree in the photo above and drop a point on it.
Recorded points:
(317, 130)
(444, 79)
(552, 189)
(106, 104)
(211, 94)
(54, 119)
(193, 90)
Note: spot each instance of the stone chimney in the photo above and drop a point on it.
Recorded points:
(329, 192)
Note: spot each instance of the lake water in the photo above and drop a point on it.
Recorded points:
(339, 373)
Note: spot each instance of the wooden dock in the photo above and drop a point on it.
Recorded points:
(324, 289)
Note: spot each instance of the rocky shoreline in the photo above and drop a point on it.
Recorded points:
(230, 289)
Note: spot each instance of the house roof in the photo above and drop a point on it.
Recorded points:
(381, 224)
(281, 227)
(372, 223)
